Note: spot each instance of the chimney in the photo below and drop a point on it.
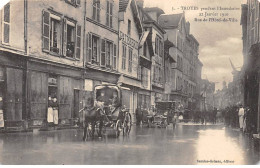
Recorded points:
(140, 3)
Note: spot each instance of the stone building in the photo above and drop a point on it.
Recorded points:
(41, 57)
(186, 72)
(250, 70)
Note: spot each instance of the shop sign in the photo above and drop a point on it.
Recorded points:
(128, 40)
(52, 81)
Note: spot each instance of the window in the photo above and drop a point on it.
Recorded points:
(95, 50)
(124, 57)
(6, 24)
(158, 46)
(103, 54)
(55, 34)
(70, 48)
(114, 57)
(96, 10)
(144, 49)
(144, 77)
(130, 60)
(129, 28)
(109, 14)
(161, 48)
(51, 36)
(73, 2)
(109, 53)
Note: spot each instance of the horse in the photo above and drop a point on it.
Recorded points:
(92, 116)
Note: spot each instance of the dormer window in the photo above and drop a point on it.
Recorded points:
(73, 2)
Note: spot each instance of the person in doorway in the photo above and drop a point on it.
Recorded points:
(50, 111)
(55, 111)
(241, 113)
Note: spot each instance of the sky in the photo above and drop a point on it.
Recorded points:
(218, 41)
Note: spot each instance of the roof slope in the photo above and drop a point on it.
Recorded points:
(170, 21)
(123, 5)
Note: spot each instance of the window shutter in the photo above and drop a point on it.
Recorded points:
(111, 14)
(78, 40)
(45, 30)
(107, 15)
(89, 56)
(64, 37)
(103, 53)
(115, 57)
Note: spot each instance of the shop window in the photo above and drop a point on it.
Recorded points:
(96, 10)
(109, 14)
(6, 24)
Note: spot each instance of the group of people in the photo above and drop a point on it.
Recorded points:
(240, 117)
(205, 116)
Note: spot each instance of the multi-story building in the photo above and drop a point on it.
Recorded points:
(156, 41)
(41, 57)
(130, 32)
(101, 44)
(186, 72)
(250, 29)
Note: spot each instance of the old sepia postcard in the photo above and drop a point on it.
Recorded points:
(129, 82)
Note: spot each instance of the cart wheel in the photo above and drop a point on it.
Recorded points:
(118, 128)
(127, 124)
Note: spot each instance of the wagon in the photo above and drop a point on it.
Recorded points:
(108, 111)
(164, 114)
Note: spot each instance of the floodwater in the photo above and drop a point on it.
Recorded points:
(186, 145)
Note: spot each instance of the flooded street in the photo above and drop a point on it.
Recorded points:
(187, 144)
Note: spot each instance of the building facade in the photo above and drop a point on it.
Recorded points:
(186, 72)
(250, 70)
(41, 59)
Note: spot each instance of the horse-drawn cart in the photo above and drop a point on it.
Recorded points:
(106, 112)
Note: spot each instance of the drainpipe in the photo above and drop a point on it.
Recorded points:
(84, 34)
(25, 26)
(26, 77)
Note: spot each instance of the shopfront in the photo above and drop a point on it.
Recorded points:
(55, 94)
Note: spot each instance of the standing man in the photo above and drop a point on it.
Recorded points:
(241, 114)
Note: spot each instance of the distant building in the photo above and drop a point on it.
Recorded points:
(185, 73)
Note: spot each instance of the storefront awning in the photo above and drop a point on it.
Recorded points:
(143, 39)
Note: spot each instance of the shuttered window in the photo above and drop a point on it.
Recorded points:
(124, 57)
(96, 10)
(46, 31)
(109, 14)
(103, 52)
(6, 24)
(115, 57)
(78, 42)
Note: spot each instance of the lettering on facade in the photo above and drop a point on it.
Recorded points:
(128, 40)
